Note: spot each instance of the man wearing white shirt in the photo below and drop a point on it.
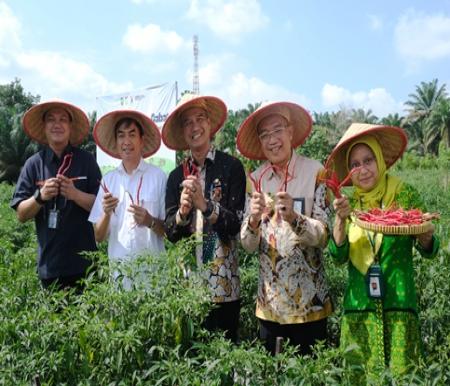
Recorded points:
(129, 208)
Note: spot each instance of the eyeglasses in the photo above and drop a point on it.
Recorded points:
(366, 163)
(276, 133)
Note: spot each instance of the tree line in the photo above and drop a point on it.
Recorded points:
(426, 121)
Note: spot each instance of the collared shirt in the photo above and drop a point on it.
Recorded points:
(126, 240)
(59, 249)
(292, 286)
(223, 182)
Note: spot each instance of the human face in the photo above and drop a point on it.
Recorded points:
(367, 177)
(196, 128)
(129, 143)
(57, 124)
(275, 136)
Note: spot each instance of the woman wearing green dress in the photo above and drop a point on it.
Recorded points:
(380, 315)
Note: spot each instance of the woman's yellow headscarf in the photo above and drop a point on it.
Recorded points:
(382, 195)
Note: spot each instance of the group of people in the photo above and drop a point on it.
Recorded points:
(285, 216)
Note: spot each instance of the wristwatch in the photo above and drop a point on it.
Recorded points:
(37, 196)
(212, 210)
(209, 209)
(152, 223)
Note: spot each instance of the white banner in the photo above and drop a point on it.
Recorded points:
(156, 102)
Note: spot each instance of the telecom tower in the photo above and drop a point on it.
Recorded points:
(195, 84)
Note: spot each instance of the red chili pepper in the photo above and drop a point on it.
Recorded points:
(103, 185)
(190, 168)
(254, 182)
(137, 202)
(331, 180)
(65, 165)
(139, 190)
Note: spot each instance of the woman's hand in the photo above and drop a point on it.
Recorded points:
(342, 207)
(426, 239)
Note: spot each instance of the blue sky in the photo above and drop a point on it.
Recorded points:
(321, 54)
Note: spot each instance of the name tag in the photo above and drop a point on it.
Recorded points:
(374, 281)
(53, 219)
(299, 205)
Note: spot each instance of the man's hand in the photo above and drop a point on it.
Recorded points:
(284, 205)
(67, 188)
(141, 215)
(257, 207)
(109, 203)
(50, 189)
(193, 189)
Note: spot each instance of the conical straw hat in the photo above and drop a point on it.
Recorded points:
(104, 135)
(392, 140)
(172, 132)
(34, 126)
(248, 142)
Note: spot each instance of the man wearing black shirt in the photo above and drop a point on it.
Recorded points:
(206, 196)
(57, 188)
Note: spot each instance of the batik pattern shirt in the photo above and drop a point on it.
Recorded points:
(223, 182)
(292, 287)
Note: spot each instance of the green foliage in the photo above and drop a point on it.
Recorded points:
(317, 145)
(15, 146)
(153, 334)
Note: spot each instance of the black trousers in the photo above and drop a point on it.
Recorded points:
(301, 335)
(65, 282)
(225, 317)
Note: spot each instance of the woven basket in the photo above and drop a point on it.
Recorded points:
(413, 229)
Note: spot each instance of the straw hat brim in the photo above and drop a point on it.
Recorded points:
(172, 132)
(392, 140)
(34, 126)
(104, 135)
(248, 142)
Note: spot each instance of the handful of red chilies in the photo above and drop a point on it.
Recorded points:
(65, 165)
(331, 180)
(257, 186)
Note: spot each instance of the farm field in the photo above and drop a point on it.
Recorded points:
(153, 335)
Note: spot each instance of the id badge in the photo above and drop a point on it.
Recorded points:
(374, 280)
(53, 219)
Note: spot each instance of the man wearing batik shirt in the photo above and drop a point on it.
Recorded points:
(205, 196)
(286, 220)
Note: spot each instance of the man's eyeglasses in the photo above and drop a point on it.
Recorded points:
(276, 133)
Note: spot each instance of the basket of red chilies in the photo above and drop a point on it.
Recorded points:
(395, 221)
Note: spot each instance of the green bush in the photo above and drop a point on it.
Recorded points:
(153, 334)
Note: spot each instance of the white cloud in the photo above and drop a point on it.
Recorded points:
(241, 90)
(151, 38)
(10, 28)
(221, 76)
(420, 37)
(378, 100)
(228, 19)
(375, 23)
(58, 74)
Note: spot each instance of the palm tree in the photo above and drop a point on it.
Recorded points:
(363, 116)
(422, 103)
(393, 120)
(440, 119)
